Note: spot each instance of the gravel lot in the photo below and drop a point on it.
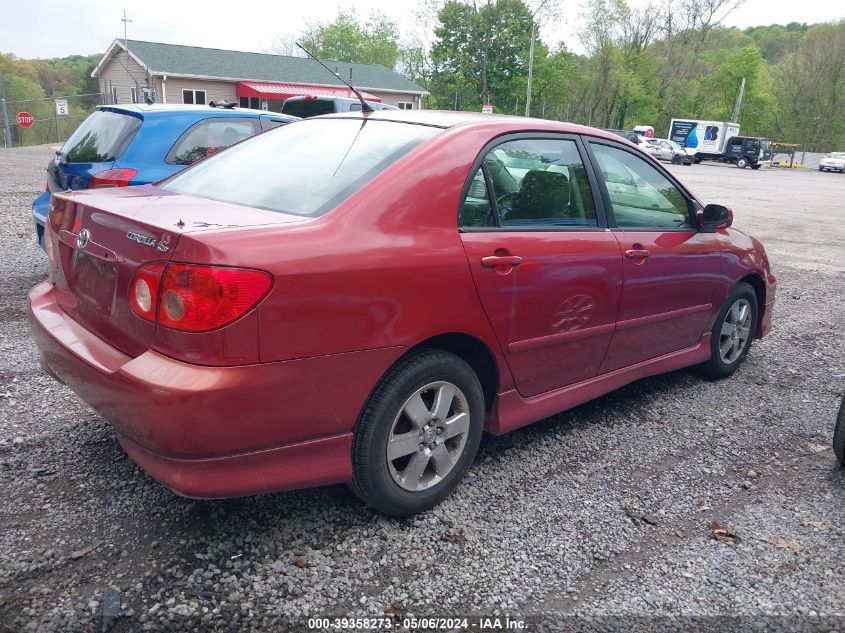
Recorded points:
(599, 511)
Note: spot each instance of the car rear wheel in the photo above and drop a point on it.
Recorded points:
(839, 434)
(676, 160)
(418, 433)
(732, 333)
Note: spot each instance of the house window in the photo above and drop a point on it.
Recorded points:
(405, 105)
(133, 92)
(193, 97)
(251, 102)
(113, 92)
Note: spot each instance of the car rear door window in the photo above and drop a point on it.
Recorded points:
(209, 136)
(536, 183)
(640, 196)
(102, 137)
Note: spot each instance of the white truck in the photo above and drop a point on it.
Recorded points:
(720, 141)
(708, 138)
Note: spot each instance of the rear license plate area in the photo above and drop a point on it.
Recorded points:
(93, 281)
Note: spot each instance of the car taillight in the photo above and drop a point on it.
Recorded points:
(143, 291)
(112, 178)
(194, 298)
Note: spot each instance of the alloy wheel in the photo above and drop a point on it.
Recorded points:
(428, 436)
(735, 332)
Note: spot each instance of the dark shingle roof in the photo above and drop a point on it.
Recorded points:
(213, 62)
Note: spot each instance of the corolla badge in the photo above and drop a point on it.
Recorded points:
(83, 238)
(141, 239)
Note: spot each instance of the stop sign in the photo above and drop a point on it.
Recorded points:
(24, 119)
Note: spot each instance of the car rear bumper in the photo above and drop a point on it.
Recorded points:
(215, 431)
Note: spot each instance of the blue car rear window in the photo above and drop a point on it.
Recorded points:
(102, 137)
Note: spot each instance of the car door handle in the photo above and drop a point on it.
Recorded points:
(492, 261)
(637, 253)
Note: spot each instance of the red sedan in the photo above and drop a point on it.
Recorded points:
(356, 298)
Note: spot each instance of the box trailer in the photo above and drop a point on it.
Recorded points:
(708, 138)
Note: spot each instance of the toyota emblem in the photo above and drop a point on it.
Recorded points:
(83, 238)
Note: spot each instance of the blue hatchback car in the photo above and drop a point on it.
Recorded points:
(121, 145)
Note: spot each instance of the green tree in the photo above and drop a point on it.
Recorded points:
(757, 114)
(810, 86)
(346, 39)
(480, 50)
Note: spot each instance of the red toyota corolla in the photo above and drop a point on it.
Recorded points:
(355, 298)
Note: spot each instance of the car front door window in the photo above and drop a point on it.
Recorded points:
(641, 197)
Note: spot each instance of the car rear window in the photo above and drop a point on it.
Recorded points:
(305, 108)
(102, 137)
(306, 168)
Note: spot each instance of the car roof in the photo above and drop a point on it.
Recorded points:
(449, 118)
(165, 108)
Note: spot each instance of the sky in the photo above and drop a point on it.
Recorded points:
(55, 28)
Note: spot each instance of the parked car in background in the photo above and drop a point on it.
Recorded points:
(305, 107)
(663, 149)
(357, 297)
(135, 144)
(835, 161)
(630, 135)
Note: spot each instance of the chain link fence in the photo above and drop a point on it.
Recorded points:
(54, 119)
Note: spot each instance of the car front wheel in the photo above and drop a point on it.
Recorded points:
(418, 433)
(732, 333)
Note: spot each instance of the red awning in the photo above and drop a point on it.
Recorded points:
(283, 91)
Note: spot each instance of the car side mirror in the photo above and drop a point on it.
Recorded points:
(715, 216)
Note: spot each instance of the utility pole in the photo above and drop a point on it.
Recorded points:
(530, 67)
(4, 114)
(740, 94)
(125, 20)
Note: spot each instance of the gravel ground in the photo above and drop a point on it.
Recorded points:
(596, 515)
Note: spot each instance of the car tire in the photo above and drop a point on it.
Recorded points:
(821, 168)
(697, 161)
(742, 163)
(404, 406)
(676, 160)
(755, 166)
(729, 347)
(839, 434)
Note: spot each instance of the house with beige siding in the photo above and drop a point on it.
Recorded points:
(132, 71)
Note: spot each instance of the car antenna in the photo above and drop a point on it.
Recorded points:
(365, 107)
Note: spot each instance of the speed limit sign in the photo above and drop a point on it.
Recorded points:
(61, 107)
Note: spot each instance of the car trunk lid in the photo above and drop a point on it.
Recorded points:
(101, 237)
